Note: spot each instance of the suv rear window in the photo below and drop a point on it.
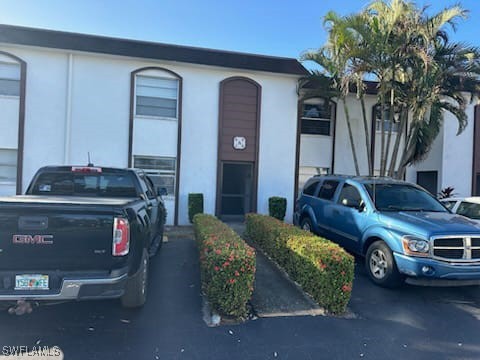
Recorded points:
(310, 189)
(80, 184)
(328, 189)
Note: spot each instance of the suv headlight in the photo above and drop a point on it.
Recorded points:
(415, 246)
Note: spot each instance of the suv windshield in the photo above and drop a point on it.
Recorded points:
(402, 197)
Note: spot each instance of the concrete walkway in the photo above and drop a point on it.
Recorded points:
(275, 294)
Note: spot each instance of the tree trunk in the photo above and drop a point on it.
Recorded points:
(382, 139)
(367, 136)
(403, 161)
(350, 135)
(396, 146)
(391, 114)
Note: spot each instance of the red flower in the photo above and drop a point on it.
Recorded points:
(216, 268)
(218, 252)
(232, 281)
(225, 264)
(237, 273)
(346, 288)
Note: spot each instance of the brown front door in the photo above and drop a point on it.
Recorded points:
(236, 191)
(238, 138)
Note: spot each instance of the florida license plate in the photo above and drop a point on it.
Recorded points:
(31, 282)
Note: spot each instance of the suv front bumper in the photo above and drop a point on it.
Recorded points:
(72, 287)
(426, 271)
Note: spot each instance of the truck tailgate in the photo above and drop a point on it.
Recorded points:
(56, 236)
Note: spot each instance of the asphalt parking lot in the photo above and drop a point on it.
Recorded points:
(410, 323)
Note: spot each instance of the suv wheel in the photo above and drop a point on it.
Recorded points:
(306, 224)
(381, 266)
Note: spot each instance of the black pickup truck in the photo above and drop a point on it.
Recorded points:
(80, 232)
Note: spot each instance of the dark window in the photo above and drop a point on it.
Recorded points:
(102, 185)
(477, 185)
(428, 180)
(148, 186)
(317, 116)
(349, 196)
(449, 204)
(310, 189)
(470, 210)
(402, 197)
(328, 189)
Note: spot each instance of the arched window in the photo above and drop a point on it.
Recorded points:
(155, 130)
(156, 94)
(317, 116)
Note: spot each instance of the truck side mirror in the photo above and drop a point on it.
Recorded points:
(161, 191)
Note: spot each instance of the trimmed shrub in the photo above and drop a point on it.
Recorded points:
(322, 268)
(277, 206)
(227, 266)
(195, 205)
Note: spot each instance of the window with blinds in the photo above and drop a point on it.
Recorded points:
(9, 79)
(162, 170)
(317, 115)
(156, 97)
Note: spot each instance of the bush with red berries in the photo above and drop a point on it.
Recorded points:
(227, 266)
(322, 268)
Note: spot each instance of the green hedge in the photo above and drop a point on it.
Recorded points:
(195, 205)
(277, 206)
(322, 268)
(227, 266)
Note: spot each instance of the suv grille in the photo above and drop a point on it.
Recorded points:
(457, 248)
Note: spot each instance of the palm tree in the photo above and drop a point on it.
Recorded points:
(448, 84)
(419, 72)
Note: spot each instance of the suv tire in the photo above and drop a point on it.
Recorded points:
(306, 224)
(136, 288)
(381, 266)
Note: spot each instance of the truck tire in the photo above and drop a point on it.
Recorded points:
(306, 224)
(136, 288)
(381, 266)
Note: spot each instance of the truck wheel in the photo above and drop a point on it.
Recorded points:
(381, 266)
(306, 224)
(136, 288)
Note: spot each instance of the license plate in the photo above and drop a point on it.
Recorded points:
(31, 282)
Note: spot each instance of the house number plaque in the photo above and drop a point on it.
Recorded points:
(239, 143)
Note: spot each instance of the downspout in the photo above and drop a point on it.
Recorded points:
(68, 110)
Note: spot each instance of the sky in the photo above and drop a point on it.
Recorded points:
(281, 28)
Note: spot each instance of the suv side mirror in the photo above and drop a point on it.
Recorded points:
(161, 191)
(361, 206)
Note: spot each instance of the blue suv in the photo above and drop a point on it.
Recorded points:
(402, 230)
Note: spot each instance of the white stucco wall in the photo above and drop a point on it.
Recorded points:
(458, 154)
(343, 154)
(99, 118)
(316, 150)
(433, 162)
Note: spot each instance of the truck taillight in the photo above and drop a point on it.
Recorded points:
(121, 237)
